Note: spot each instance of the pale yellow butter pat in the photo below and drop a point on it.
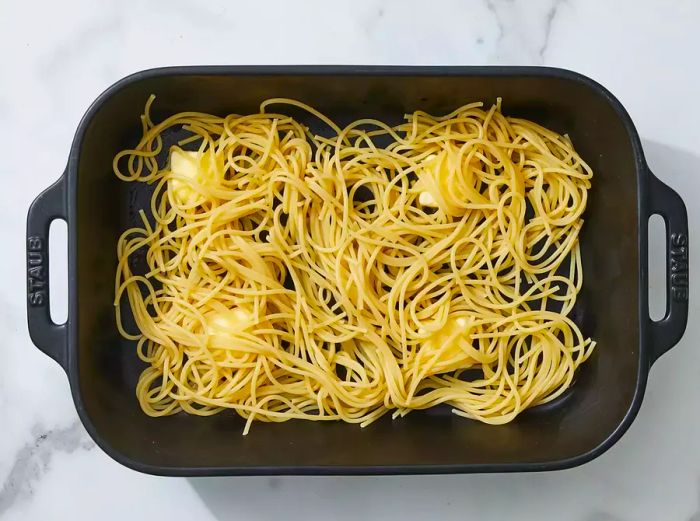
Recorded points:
(445, 341)
(223, 327)
(432, 181)
(190, 167)
(426, 199)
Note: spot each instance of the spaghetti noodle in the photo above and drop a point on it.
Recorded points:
(291, 275)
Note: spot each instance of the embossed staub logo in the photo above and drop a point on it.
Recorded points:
(679, 267)
(36, 271)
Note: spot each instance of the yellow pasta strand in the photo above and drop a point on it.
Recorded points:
(331, 278)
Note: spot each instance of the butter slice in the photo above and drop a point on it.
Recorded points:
(223, 327)
(432, 181)
(190, 167)
(437, 187)
(445, 341)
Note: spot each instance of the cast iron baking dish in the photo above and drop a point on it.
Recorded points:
(103, 368)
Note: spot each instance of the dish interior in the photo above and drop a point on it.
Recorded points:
(607, 308)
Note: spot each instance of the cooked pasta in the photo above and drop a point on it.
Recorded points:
(338, 277)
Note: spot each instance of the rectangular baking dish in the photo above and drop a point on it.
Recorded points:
(613, 309)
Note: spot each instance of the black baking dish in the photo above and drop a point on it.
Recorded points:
(102, 367)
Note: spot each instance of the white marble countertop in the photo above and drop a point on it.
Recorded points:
(58, 56)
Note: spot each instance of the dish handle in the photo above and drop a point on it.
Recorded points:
(664, 201)
(48, 336)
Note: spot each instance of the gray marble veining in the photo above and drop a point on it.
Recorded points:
(34, 459)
